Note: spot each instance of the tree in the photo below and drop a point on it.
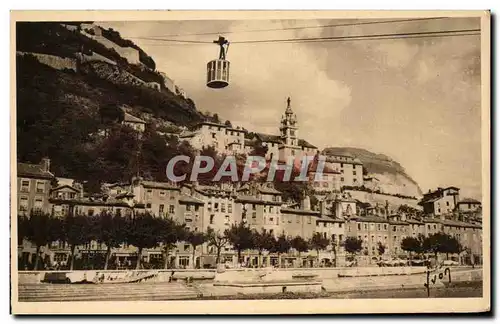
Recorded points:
(240, 237)
(282, 245)
(262, 241)
(411, 244)
(143, 233)
(111, 231)
(40, 229)
(380, 248)
(195, 239)
(110, 114)
(217, 240)
(353, 245)
(436, 243)
(170, 232)
(451, 245)
(299, 244)
(77, 231)
(334, 249)
(319, 242)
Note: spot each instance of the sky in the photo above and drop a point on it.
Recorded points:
(416, 100)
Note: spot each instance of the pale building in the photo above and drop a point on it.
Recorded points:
(441, 201)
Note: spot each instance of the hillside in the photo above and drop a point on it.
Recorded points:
(392, 177)
(60, 99)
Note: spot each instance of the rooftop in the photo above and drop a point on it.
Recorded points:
(128, 118)
(469, 201)
(33, 171)
(190, 200)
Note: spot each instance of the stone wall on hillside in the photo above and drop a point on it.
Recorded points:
(53, 61)
(373, 198)
(129, 53)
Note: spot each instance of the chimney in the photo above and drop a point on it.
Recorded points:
(322, 207)
(45, 164)
(306, 203)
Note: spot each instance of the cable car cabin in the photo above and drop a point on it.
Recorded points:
(218, 74)
(218, 70)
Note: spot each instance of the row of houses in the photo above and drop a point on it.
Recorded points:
(336, 216)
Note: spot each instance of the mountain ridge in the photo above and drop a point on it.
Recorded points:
(70, 64)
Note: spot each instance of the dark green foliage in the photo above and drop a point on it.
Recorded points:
(143, 232)
(299, 244)
(217, 240)
(110, 230)
(61, 114)
(77, 231)
(40, 229)
(381, 248)
(353, 245)
(411, 244)
(263, 240)
(240, 237)
(195, 239)
(282, 245)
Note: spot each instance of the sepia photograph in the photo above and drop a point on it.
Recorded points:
(165, 162)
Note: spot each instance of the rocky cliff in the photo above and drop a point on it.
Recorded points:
(389, 176)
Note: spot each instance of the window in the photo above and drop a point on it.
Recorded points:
(216, 206)
(341, 165)
(447, 203)
(355, 180)
(309, 219)
(324, 224)
(253, 206)
(385, 227)
(434, 226)
(373, 239)
(90, 212)
(340, 225)
(162, 194)
(271, 219)
(25, 185)
(171, 209)
(254, 215)
(148, 205)
(223, 207)
(38, 203)
(213, 135)
(227, 220)
(378, 227)
(149, 193)
(340, 238)
(229, 208)
(325, 184)
(23, 203)
(394, 228)
(40, 187)
(298, 219)
(162, 207)
(359, 226)
(366, 227)
(188, 207)
(342, 179)
(212, 218)
(354, 172)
